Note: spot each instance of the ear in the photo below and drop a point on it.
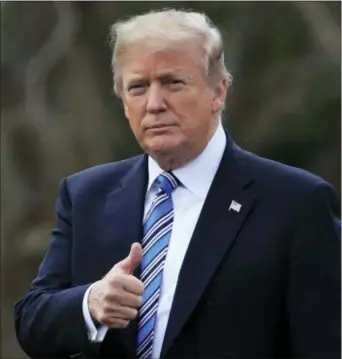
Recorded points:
(121, 96)
(125, 107)
(220, 93)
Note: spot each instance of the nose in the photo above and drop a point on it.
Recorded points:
(155, 100)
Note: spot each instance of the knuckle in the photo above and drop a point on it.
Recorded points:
(136, 302)
(141, 288)
(140, 301)
(118, 297)
(134, 313)
(107, 308)
(107, 291)
(114, 295)
(127, 281)
(107, 299)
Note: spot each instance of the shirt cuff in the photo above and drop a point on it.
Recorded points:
(94, 334)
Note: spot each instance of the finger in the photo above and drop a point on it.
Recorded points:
(112, 322)
(133, 260)
(130, 300)
(122, 312)
(133, 285)
(122, 297)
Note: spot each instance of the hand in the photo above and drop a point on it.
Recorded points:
(114, 300)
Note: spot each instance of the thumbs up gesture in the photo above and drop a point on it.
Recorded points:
(114, 300)
(132, 261)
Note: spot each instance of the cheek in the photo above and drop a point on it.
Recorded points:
(198, 100)
(194, 111)
(132, 108)
(198, 120)
(134, 114)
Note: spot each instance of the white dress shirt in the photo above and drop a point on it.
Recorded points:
(188, 199)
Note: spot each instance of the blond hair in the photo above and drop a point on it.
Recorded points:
(165, 30)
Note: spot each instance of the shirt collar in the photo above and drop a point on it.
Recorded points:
(198, 174)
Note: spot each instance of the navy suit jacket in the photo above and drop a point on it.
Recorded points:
(263, 282)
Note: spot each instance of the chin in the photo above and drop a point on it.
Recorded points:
(163, 144)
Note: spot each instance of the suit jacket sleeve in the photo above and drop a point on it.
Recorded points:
(314, 295)
(48, 319)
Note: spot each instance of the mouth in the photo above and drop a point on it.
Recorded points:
(159, 127)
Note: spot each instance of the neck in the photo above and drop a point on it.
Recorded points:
(171, 161)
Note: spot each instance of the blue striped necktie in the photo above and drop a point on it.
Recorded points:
(156, 234)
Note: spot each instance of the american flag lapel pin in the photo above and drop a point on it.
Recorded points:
(235, 206)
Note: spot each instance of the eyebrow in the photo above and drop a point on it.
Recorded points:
(162, 76)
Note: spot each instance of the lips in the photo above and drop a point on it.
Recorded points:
(159, 126)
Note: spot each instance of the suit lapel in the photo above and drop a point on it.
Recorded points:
(214, 235)
(124, 209)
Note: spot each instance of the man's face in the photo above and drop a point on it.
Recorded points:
(170, 106)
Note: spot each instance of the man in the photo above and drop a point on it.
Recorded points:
(196, 249)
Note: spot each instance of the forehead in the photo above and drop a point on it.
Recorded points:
(137, 63)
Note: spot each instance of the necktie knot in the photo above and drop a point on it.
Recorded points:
(167, 181)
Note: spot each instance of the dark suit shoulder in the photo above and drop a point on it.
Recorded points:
(290, 190)
(100, 177)
(276, 176)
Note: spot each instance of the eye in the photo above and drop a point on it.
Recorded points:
(175, 84)
(136, 89)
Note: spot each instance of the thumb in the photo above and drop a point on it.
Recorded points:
(132, 260)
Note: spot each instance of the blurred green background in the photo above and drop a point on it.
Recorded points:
(59, 114)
